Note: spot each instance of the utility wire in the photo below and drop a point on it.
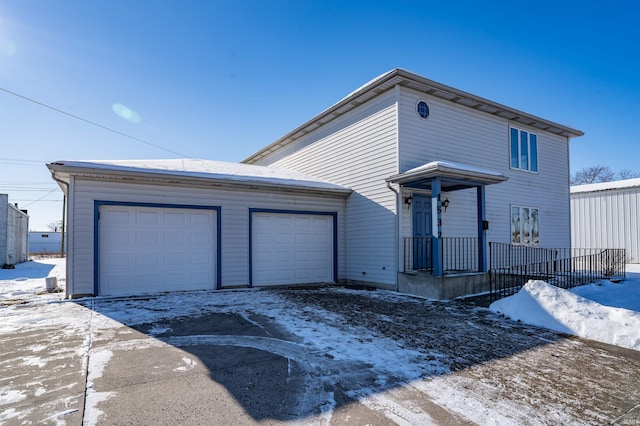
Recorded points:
(40, 199)
(93, 123)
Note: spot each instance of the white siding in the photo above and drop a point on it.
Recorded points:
(234, 205)
(464, 135)
(357, 150)
(607, 219)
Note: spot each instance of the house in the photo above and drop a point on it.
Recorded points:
(607, 215)
(400, 185)
(45, 242)
(14, 233)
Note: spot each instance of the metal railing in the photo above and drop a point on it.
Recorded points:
(510, 267)
(459, 254)
(417, 254)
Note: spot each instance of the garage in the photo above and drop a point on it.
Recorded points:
(289, 247)
(144, 248)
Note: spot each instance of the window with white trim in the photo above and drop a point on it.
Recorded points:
(524, 150)
(525, 226)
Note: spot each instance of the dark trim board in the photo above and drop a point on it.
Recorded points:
(96, 236)
(300, 212)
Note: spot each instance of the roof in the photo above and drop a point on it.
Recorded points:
(453, 175)
(194, 171)
(407, 79)
(606, 186)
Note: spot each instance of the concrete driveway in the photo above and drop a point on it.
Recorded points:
(309, 356)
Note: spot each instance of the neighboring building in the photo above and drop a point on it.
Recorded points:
(14, 233)
(403, 175)
(45, 242)
(607, 215)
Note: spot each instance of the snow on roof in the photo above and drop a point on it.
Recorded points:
(606, 186)
(217, 170)
(454, 166)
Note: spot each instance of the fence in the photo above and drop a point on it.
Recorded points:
(512, 266)
(459, 254)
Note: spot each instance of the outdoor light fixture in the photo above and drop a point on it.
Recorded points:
(445, 204)
(408, 201)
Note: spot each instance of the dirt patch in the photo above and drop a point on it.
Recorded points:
(495, 359)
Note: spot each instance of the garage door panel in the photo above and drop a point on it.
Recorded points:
(174, 238)
(146, 218)
(117, 216)
(293, 248)
(199, 259)
(174, 219)
(147, 259)
(175, 259)
(196, 238)
(147, 237)
(151, 249)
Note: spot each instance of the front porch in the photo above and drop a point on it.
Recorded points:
(461, 268)
(432, 265)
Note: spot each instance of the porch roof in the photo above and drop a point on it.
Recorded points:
(453, 176)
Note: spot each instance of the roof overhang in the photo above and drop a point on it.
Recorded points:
(62, 171)
(618, 185)
(453, 176)
(407, 79)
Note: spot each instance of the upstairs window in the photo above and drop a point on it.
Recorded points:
(524, 150)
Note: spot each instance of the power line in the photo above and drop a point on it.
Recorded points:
(9, 183)
(23, 189)
(33, 201)
(92, 122)
(40, 199)
(21, 160)
(23, 163)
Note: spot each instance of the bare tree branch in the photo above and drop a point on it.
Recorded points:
(601, 173)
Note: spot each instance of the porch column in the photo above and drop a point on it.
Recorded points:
(482, 232)
(436, 227)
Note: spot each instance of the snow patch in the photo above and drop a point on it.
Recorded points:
(188, 365)
(541, 304)
(11, 396)
(98, 360)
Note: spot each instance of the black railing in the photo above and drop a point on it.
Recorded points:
(512, 266)
(417, 254)
(459, 254)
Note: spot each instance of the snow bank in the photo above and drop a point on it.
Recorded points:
(544, 305)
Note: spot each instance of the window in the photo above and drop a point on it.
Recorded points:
(524, 150)
(422, 109)
(525, 226)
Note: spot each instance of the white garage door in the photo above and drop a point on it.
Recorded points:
(152, 249)
(291, 248)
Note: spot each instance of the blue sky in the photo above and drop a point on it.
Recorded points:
(219, 80)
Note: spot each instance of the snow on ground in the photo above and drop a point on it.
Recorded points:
(605, 311)
(601, 312)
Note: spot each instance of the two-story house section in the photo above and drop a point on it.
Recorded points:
(436, 174)
(405, 184)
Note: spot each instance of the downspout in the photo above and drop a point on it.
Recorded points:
(397, 233)
(64, 218)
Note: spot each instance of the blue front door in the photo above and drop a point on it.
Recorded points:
(421, 208)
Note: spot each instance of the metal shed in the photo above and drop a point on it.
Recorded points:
(607, 215)
(14, 233)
